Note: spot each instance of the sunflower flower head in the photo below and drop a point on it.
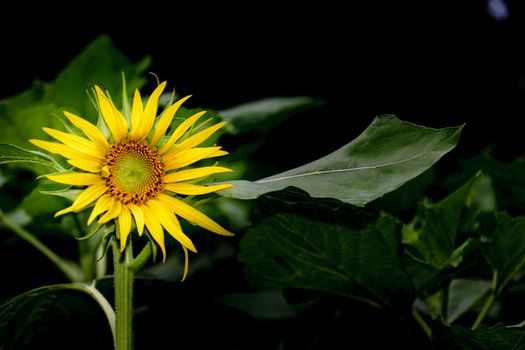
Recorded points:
(133, 172)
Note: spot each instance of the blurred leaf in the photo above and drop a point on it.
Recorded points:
(498, 337)
(327, 249)
(463, 294)
(508, 178)
(23, 116)
(13, 154)
(263, 115)
(99, 63)
(387, 154)
(505, 250)
(53, 317)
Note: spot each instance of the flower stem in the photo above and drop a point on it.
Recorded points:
(484, 310)
(123, 276)
(69, 269)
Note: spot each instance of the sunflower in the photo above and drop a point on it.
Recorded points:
(134, 172)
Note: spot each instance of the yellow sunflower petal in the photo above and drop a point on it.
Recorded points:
(165, 120)
(90, 130)
(89, 195)
(150, 112)
(181, 129)
(185, 273)
(138, 214)
(86, 165)
(187, 157)
(63, 150)
(103, 204)
(113, 212)
(124, 224)
(198, 138)
(75, 179)
(115, 122)
(76, 142)
(154, 228)
(189, 189)
(64, 211)
(137, 110)
(170, 223)
(193, 215)
(191, 174)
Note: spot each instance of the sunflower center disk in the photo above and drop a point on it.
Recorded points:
(134, 172)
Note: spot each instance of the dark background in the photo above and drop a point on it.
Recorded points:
(439, 63)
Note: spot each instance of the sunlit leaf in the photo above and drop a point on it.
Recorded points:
(387, 154)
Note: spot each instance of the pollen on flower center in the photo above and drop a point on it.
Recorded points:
(133, 172)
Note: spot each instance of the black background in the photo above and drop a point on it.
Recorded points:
(438, 63)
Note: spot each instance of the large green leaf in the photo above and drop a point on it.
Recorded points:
(505, 250)
(498, 337)
(431, 239)
(387, 154)
(263, 115)
(335, 250)
(64, 316)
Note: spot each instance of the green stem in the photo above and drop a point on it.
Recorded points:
(484, 310)
(68, 268)
(123, 275)
(421, 322)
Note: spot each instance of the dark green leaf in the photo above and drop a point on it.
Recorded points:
(505, 250)
(53, 317)
(387, 154)
(267, 304)
(326, 249)
(498, 337)
(263, 115)
(431, 240)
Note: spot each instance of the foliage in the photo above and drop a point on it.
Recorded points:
(364, 244)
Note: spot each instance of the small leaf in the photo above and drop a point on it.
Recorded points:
(505, 250)
(327, 249)
(265, 304)
(463, 294)
(265, 114)
(387, 154)
(498, 337)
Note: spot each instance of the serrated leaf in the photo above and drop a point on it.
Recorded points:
(263, 115)
(498, 337)
(387, 154)
(505, 250)
(463, 294)
(330, 250)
